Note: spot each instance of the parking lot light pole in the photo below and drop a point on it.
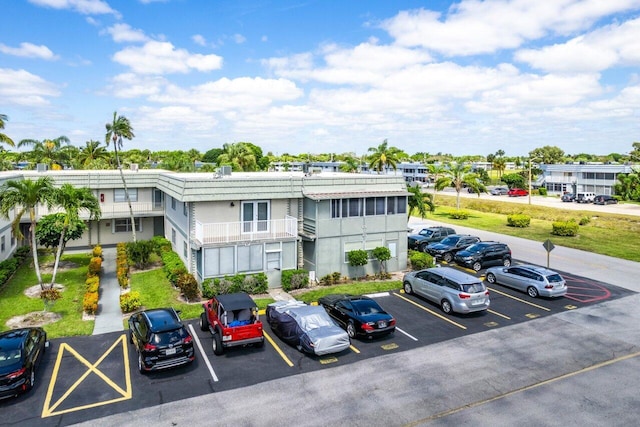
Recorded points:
(529, 179)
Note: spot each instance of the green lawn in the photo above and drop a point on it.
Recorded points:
(15, 302)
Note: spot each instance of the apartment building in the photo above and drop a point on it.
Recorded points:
(582, 177)
(246, 222)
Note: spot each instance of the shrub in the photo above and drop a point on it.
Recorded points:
(94, 266)
(189, 286)
(294, 279)
(139, 253)
(130, 301)
(160, 245)
(542, 191)
(459, 214)
(357, 257)
(518, 220)
(337, 277)
(208, 288)
(383, 255)
(420, 260)
(565, 228)
(93, 283)
(255, 284)
(584, 220)
(50, 294)
(326, 280)
(90, 302)
(22, 252)
(223, 286)
(97, 251)
(173, 266)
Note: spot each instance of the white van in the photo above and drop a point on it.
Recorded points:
(585, 197)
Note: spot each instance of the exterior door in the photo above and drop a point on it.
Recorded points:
(255, 217)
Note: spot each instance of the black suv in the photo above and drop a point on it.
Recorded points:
(604, 199)
(482, 254)
(451, 245)
(428, 235)
(160, 338)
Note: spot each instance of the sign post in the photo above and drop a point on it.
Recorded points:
(549, 246)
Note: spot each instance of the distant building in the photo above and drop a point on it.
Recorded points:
(582, 177)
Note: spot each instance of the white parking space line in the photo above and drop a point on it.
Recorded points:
(409, 335)
(204, 356)
(378, 295)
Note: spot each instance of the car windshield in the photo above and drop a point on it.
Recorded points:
(451, 240)
(474, 248)
(473, 288)
(169, 337)
(426, 232)
(364, 307)
(9, 357)
(554, 278)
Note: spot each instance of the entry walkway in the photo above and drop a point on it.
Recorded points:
(109, 315)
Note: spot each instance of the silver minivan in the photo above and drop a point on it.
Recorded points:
(452, 289)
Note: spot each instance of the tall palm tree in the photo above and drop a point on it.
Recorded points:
(48, 151)
(420, 201)
(458, 174)
(91, 152)
(73, 200)
(239, 155)
(382, 157)
(25, 195)
(499, 164)
(4, 138)
(120, 128)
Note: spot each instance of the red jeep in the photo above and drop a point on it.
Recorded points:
(233, 320)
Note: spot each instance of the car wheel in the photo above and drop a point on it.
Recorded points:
(351, 330)
(476, 266)
(447, 257)
(506, 262)
(491, 278)
(203, 322)
(423, 248)
(446, 306)
(532, 291)
(140, 364)
(217, 345)
(407, 288)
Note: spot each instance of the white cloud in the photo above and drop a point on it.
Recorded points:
(123, 33)
(199, 40)
(85, 7)
(130, 85)
(29, 50)
(239, 38)
(20, 87)
(156, 57)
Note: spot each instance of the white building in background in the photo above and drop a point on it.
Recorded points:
(582, 177)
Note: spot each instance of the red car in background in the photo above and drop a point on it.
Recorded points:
(517, 192)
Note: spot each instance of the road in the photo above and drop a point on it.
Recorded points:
(577, 367)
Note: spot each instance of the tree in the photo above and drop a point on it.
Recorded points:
(382, 157)
(628, 185)
(547, 155)
(25, 195)
(72, 200)
(350, 165)
(240, 156)
(457, 175)
(382, 254)
(4, 139)
(120, 128)
(514, 180)
(635, 152)
(48, 151)
(499, 164)
(420, 201)
(211, 156)
(92, 153)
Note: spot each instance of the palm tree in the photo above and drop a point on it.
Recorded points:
(91, 152)
(458, 175)
(120, 128)
(4, 138)
(73, 200)
(382, 157)
(499, 164)
(420, 201)
(25, 195)
(239, 155)
(48, 151)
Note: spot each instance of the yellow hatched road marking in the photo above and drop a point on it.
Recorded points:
(48, 410)
(430, 311)
(278, 349)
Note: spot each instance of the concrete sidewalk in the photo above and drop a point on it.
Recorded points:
(109, 315)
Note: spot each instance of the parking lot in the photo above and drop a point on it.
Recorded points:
(84, 378)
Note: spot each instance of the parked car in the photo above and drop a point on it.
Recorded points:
(21, 352)
(484, 254)
(306, 327)
(428, 235)
(233, 321)
(568, 197)
(450, 245)
(517, 192)
(585, 197)
(604, 199)
(499, 191)
(452, 289)
(531, 279)
(161, 339)
(359, 315)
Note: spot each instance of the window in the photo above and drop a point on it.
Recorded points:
(173, 203)
(369, 206)
(370, 203)
(185, 208)
(2, 244)
(354, 207)
(250, 258)
(121, 225)
(119, 195)
(173, 236)
(157, 198)
(219, 261)
(185, 250)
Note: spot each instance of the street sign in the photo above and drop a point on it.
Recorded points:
(548, 245)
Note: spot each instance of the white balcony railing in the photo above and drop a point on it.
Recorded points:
(245, 231)
(110, 210)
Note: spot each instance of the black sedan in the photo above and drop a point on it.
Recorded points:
(359, 315)
(21, 352)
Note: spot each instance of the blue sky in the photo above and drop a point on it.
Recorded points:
(468, 77)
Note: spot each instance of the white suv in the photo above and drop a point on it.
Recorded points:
(585, 197)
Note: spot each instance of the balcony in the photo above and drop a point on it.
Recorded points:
(111, 210)
(245, 231)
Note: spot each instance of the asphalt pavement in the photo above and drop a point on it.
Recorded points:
(578, 367)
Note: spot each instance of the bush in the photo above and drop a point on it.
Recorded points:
(565, 228)
(542, 191)
(97, 251)
(160, 245)
(130, 301)
(518, 220)
(294, 279)
(140, 252)
(223, 286)
(173, 266)
(383, 255)
(255, 284)
(50, 294)
(357, 257)
(584, 220)
(90, 302)
(208, 288)
(94, 266)
(92, 283)
(459, 214)
(189, 286)
(420, 260)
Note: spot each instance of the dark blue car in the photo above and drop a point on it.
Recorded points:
(359, 315)
(21, 352)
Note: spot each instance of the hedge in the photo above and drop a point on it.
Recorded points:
(295, 279)
(518, 220)
(565, 228)
(130, 301)
(420, 260)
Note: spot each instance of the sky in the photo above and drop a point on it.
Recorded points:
(326, 76)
